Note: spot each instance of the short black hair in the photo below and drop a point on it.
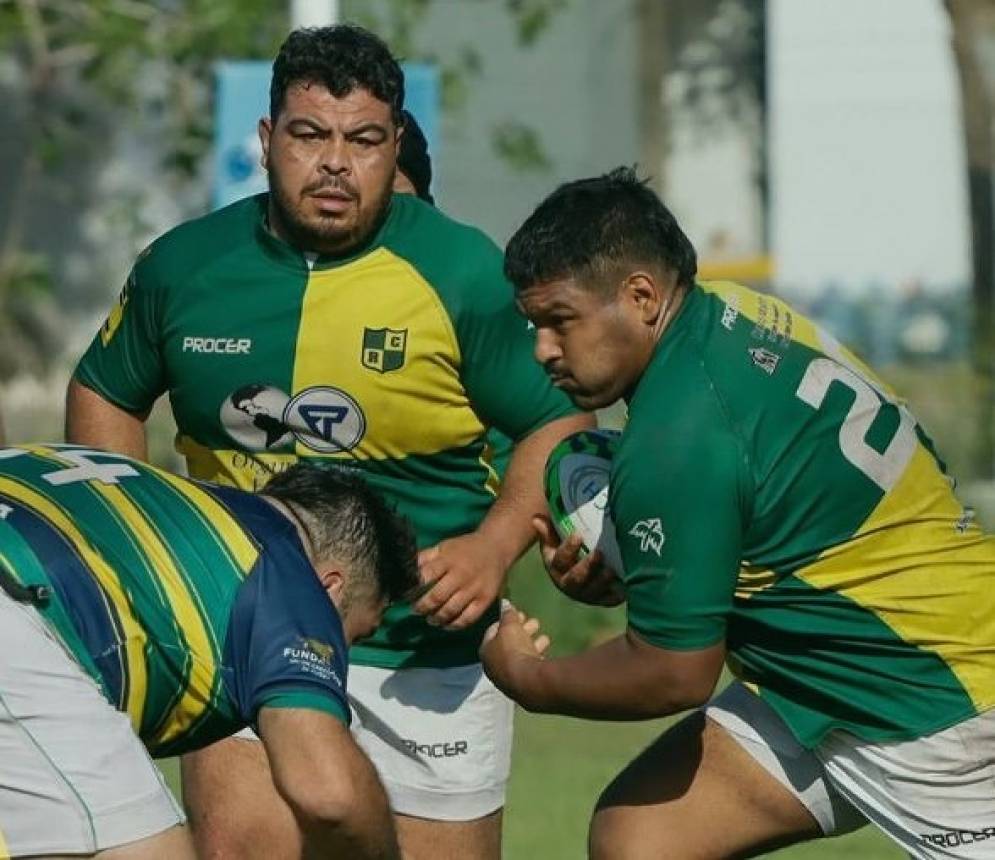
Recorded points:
(344, 518)
(586, 227)
(342, 58)
(413, 159)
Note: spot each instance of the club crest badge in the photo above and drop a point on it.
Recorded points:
(383, 348)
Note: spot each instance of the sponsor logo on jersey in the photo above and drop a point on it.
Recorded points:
(313, 657)
(650, 534)
(956, 838)
(730, 313)
(449, 749)
(263, 418)
(764, 359)
(965, 521)
(253, 416)
(113, 321)
(325, 419)
(218, 345)
(775, 323)
(383, 348)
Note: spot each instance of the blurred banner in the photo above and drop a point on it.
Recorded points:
(243, 97)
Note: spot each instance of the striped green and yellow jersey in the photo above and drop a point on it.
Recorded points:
(192, 606)
(769, 490)
(395, 359)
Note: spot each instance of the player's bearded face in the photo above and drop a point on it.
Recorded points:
(331, 164)
(589, 346)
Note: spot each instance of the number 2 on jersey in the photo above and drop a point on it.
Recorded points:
(885, 468)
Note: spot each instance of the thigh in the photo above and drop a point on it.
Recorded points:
(74, 777)
(422, 838)
(934, 796)
(234, 808)
(441, 742)
(696, 793)
(174, 843)
(759, 730)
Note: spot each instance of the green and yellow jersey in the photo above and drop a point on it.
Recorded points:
(191, 606)
(769, 490)
(396, 359)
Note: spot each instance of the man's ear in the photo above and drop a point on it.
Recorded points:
(265, 130)
(645, 295)
(332, 579)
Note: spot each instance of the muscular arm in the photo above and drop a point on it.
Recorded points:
(508, 523)
(330, 785)
(92, 420)
(469, 570)
(625, 678)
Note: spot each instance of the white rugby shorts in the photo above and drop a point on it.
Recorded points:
(74, 777)
(440, 738)
(934, 795)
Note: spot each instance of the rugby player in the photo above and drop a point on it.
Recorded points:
(139, 608)
(780, 510)
(378, 332)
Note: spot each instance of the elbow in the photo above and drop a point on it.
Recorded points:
(323, 807)
(682, 694)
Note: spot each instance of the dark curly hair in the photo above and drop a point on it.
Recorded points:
(341, 58)
(586, 227)
(344, 518)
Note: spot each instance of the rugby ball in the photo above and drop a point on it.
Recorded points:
(577, 473)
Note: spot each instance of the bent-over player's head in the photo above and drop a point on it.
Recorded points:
(330, 141)
(363, 552)
(414, 164)
(597, 269)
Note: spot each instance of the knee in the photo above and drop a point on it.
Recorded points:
(224, 833)
(608, 836)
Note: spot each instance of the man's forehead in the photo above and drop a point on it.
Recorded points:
(546, 294)
(314, 98)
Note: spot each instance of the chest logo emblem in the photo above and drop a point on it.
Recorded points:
(383, 348)
(650, 534)
(321, 418)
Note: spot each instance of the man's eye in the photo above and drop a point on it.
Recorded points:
(307, 135)
(364, 142)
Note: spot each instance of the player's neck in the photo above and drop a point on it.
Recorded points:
(302, 531)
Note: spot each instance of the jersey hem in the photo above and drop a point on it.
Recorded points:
(84, 378)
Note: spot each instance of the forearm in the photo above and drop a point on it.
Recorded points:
(509, 521)
(365, 831)
(622, 680)
(330, 784)
(92, 420)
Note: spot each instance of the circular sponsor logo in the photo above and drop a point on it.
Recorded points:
(325, 419)
(253, 416)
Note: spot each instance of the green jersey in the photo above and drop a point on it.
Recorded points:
(396, 359)
(191, 606)
(770, 491)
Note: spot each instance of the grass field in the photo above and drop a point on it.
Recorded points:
(559, 768)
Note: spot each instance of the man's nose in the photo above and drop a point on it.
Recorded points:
(547, 347)
(335, 156)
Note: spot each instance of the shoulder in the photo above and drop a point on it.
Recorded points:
(198, 243)
(450, 255)
(678, 415)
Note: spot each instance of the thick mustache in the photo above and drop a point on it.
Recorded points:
(331, 185)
